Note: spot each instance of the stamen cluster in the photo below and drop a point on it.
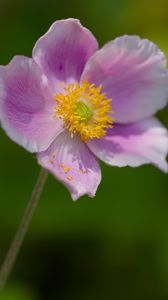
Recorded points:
(85, 110)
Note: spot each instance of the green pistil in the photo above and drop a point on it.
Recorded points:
(83, 110)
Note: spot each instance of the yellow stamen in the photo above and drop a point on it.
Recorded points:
(85, 110)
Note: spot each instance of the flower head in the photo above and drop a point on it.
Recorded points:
(73, 104)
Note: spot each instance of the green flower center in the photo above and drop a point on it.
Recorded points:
(83, 110)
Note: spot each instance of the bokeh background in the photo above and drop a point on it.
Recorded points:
(114, 246)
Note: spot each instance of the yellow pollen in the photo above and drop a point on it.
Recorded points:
(69, 178)
(65, 168)
(62, 165)
(85, 110)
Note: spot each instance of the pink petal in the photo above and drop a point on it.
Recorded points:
(26, 105)
(133, 145)
(133, 73)
(71, 162)
(63, 51)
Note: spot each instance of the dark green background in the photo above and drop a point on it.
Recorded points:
(114, 246)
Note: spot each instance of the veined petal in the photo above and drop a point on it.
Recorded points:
(64, 50)
(26, 105)
(133, 145)
(71, 162)
(133, 73)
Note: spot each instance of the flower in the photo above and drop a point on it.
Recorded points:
(73, 104)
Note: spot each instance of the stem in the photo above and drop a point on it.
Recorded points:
(13, 251)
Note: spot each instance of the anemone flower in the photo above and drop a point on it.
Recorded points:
(73, 104)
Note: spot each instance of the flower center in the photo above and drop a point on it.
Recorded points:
(85, 110)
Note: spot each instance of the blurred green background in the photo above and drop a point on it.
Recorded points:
(114, 246)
